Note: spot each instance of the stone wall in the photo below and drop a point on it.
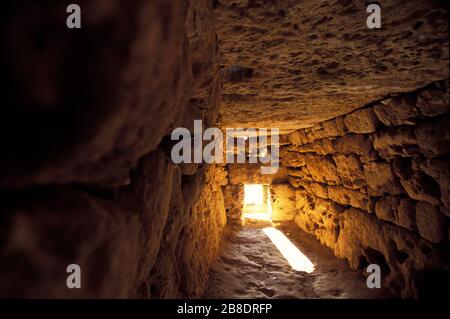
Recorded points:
(86, 174)
(234, 200)
(373, 185)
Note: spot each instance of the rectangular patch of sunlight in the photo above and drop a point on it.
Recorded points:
(293, 255)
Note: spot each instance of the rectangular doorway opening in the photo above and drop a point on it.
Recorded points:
(257, 203)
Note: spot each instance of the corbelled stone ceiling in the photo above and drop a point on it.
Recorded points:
(290, 63)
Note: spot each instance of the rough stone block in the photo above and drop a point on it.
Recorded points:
(292, 159)
(380, 179)
(434, 100)
(431, 224)
(344, 196)
(74, 130)
(397, 210)
(439, 170)
(302, 173)
(323, 146)
(233, 196)
(334, 127)
(400, 110)
(316, 189)
(298, 138)
(361, 121)
(322, 169)
(403, 256)
(283, 202)
(303, 200)
(199, 235)
(67, 226)
(251, 174)
(396, 141)
(330, 128)
(418, 185)
(322, 220)
(433, 136)
(350, 170)
(353, 144)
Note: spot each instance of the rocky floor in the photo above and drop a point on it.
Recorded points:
(250, 266)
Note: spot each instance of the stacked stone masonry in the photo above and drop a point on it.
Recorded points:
(373, 185)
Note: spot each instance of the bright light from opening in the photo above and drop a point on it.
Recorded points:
(293, 255)
(253, 194)
(256, 202)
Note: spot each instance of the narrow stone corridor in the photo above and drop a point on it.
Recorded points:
(135, 146)
(250, 266)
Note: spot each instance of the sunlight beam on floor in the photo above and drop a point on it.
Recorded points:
(293, 255)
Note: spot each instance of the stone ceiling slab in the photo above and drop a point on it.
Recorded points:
(291, 64)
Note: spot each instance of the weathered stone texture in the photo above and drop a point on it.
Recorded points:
(389, 169)
(322, 169)
(431, 223)
(380, 179)
(433, 136)
(316, 189)
(400, 110)
(395, 142)
(139, 235)
(73, 115)
(361, 121)
(73, 228)
(84, 136)
(331, 128)
(251, 174)
(198, 244)
(434, 100)
(311, 62)
(234, 200)
(350, 170)
(320, 219)
(353, 144)
(299, 174)
(403, 256)
(417, 184)
(292, 159)
(86, 123)
(283, 202)
(349, 197)
(398, 210)
(323, 146)
(439, 170)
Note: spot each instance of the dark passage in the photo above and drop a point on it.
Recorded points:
(128, 142)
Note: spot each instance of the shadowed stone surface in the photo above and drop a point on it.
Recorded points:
(85, 172)
(379, 194)
(88, 111)
(312, 60)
